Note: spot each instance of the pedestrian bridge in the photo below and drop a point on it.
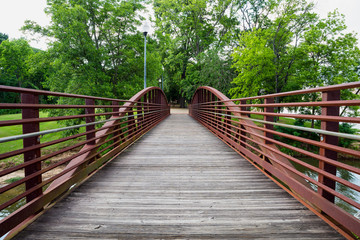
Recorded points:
(136, 171)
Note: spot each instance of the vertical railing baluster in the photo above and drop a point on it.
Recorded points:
(143, 118)
(90, 119)
(213, 97)
(269, 119)
(131, 121)
(29, 142)
(115, 110)
(334, 127)
(242, 133)
(138, 115)
(228, 124)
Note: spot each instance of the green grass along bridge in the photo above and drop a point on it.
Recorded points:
(135, 171)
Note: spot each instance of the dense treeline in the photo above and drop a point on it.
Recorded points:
(241, 47)
(253, 47)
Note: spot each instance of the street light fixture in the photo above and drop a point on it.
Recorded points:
(145, 31)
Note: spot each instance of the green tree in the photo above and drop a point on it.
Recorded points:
(186, 29)
(17, 59)
(254, 61)
(265, 57)
(13, 61)
(97, 49)
(329, 56)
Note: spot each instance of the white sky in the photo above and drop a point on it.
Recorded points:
(13, 13)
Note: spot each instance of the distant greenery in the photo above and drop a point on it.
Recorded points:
(17, 130)
(14, 179)
(343, 142)
(19, 68)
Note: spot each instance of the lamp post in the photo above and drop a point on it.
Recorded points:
(145, 31)
(162, 81)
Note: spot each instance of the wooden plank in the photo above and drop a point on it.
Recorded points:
(179, 181)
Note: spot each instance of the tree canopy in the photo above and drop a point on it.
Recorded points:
(97, 49)
(243, 48)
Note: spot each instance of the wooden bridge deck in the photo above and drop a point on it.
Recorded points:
(179, 182)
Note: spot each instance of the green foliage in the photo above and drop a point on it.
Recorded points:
(253, 60)
(3, 37)
(18, 144)
(189, 32)
(97, 49)
(14, 179)
(298, 133)
(13, 61)
(296, 50)
(14, 56)
(349, 129)
(329, 56)
(265, 57)
(21, 66)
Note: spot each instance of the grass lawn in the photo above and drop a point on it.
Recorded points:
(18, 144)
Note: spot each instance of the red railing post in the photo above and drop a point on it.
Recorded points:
(269, 119)
(29, 142)
(91, 119)
(227, 123)
(145, 109)
(131, 121)
(139, 116)
(334, 127)
(115, 110)
(242, 133)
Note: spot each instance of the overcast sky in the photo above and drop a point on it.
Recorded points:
(13, 13)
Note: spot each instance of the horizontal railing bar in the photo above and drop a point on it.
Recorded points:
(307, 153)
(76, 179)
(298, 92)
(319, 171)
(300, 116)
(57, 94)
(296, 104)
(336, 134)
(42, 171)
(313, 181)
(310, 154)
(63, 106)
(306, 91)
(12, 185)
(49, 119)
(43, 158)
(22, 136)
(57, 141)
(305, 140)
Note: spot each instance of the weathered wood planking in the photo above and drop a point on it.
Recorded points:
(179, 182)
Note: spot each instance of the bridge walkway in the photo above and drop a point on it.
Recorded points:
(179, 181)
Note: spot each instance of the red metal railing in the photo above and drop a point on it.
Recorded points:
(110, 126)
(248, 125)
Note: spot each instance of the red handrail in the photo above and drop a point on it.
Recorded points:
(258, 141)
(123, 121)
